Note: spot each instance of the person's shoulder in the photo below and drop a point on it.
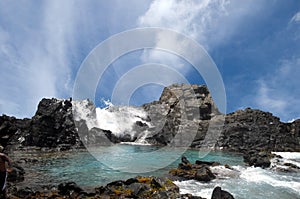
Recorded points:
(3, 155)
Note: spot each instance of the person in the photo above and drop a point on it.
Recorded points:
(3, 171)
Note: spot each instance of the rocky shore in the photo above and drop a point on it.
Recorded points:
(254, 133)
(137, 187)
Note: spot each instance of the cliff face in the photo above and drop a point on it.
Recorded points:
(181, 116)
(51, 126)
(185, 115)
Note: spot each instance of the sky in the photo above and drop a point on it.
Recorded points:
(254, 43)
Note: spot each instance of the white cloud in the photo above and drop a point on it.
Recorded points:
(296, 17)
(210, 22)
(278, 92)
(192, 18)
(35, 56)
(266, 99)
(42, 45)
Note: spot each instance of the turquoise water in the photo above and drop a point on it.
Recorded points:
(87, 171)
(84, 169)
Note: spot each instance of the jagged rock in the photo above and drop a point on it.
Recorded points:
(181, 106)
(52, 126)
(218, 193)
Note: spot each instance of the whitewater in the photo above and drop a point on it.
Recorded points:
(242, 181)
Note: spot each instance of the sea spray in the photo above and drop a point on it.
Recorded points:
(119, 120)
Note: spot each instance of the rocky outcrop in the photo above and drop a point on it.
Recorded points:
(199, 171)
(185, 115)
(52, 126)
(10, 126)
(251, 129)
(181, 116)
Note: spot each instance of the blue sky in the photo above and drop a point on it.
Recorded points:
(254, 43)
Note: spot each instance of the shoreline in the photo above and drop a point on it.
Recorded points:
(43, 153)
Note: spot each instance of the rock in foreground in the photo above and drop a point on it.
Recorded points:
(138, 187)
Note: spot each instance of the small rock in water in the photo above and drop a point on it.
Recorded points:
(185, 160)
(204, 174)
(218, 193)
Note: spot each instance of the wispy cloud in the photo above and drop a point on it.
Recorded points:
(278, 92)
(296, 17)
(35, 55)
(42, 45)
(210, 22)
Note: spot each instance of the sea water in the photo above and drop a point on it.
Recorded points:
(87, 171)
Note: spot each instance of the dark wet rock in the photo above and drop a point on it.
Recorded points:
(188, 171)
(218, 193)
(184, 160)
(68, 188)
(200, 162)
(291, 165)
(258, 159)
(204, 174)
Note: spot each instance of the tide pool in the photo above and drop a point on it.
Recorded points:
(111, 163)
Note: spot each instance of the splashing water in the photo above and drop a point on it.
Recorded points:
(120, 120)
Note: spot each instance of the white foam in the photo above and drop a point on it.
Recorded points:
(259, 175)
(194, 187)
(82, 112)
(289, 155)
(136, 143)
(120, 119)
(225, 173)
